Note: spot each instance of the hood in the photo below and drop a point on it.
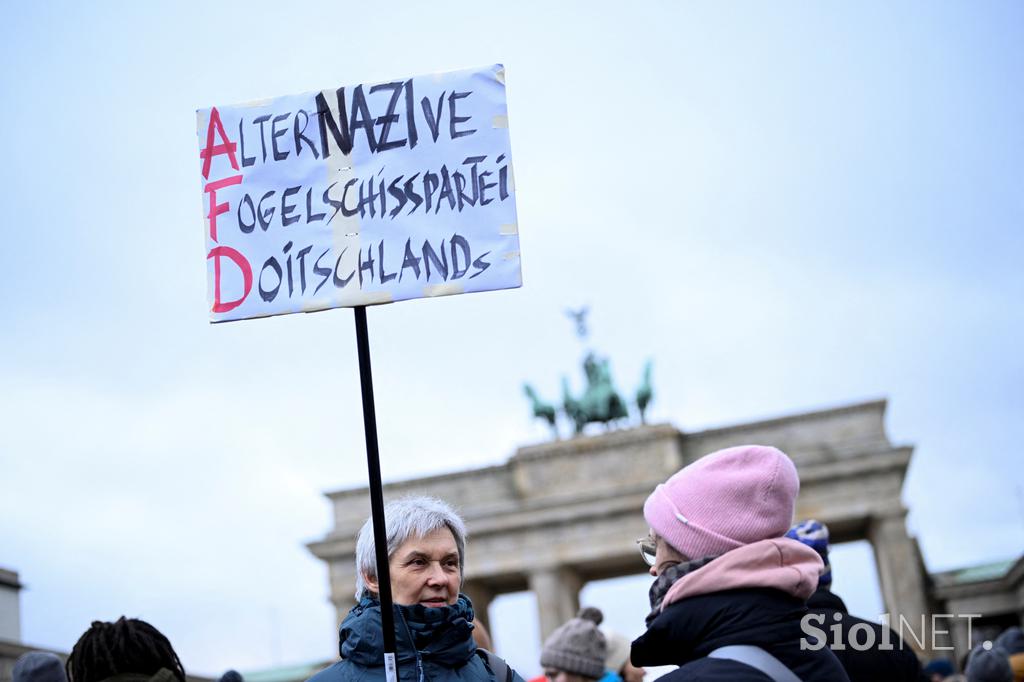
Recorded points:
(361, 637)
(780, 563)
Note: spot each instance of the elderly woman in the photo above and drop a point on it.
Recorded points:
(433, 620)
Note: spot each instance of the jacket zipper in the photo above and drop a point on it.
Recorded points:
(412, 642)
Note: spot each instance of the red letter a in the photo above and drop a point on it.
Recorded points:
(216, 253)
(211, 150)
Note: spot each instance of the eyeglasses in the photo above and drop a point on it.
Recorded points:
(648, 549)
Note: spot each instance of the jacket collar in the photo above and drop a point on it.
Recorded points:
(442, 635)
(781, 564)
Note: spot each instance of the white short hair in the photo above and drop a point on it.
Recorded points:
(409, 517)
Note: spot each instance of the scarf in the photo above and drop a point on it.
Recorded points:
(429, 625)
(667, 579)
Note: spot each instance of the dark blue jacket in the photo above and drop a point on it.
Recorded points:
(447, 652)
(691, 628)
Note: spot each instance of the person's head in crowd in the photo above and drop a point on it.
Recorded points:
(814, 534)
(938, 670)
(576, 650)
(896, 663)
(231, 676)
(617, 658)
(126, 646)
(1012, 642)
(722, 501)
(38, 666)
(426, 553)
(724, 572)
(425, 550)
(988, 665)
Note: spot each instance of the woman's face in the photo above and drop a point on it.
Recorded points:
(425, 571)
(555, 675)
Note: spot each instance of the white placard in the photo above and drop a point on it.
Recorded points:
(359, 195)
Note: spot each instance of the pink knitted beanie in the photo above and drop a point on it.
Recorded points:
(725, 500)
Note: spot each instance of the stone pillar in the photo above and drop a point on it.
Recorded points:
(960, 634)
(558, 596)
(481, 595)
(342, 578)
(342, 605)
(900, 574)
(10, 606)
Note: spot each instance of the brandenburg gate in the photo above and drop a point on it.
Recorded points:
(559, 514)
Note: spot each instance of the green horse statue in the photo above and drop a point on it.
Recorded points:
(541, 409)
(600, 401)
(645, 393)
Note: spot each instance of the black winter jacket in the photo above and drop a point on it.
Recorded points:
(687, 631)
(874, 664)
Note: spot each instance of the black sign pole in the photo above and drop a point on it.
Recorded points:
(380, 537)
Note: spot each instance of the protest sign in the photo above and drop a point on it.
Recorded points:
(359, 195)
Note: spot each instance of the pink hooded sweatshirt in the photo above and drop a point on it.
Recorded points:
(779, 563)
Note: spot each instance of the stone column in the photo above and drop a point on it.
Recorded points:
(960, 634)
(342, 605)
(558, 596)
(342, 578)
(481, 595)
(900, 575)
(10, 606)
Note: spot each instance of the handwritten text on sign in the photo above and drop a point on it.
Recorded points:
(359, 195)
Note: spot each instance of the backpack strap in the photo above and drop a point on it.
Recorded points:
(497, 665)
(758, 658)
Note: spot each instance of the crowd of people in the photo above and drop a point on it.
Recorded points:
(734, 588)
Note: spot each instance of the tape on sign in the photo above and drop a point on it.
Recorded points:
(448, 289)
(371, 298)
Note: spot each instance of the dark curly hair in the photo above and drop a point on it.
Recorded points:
(126, 646)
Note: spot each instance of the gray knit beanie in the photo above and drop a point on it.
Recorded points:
(577, 646)
(991, 665)
(38, 666)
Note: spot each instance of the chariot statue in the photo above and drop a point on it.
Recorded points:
(600, 402)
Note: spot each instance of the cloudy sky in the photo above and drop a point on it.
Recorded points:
(786, 207)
